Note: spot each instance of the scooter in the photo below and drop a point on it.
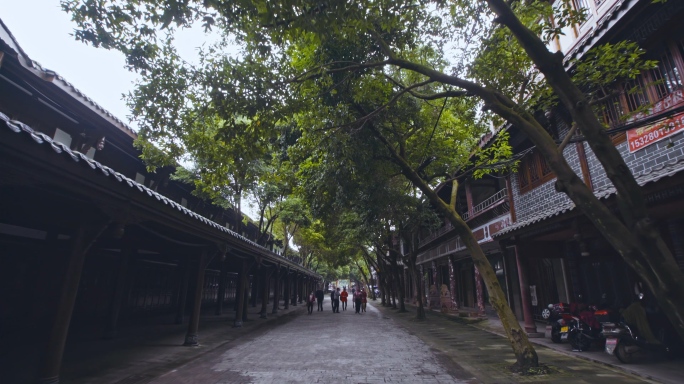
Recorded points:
(624, 339)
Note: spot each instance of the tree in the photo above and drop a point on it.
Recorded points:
(382, 39)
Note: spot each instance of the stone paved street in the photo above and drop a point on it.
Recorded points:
(324, 347)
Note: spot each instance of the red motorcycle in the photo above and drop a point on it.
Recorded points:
(559, 316)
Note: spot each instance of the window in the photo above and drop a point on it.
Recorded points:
(635, 93)
(666, 77)
(533, 171)
(657, 90)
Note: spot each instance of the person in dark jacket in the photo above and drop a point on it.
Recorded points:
(320, 295)
(357, 301)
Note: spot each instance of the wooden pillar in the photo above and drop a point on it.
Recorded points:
(265, 276)
(221, 296)
(241, 293)
(452, 283)
(238, 289)
(530, 326)
(183, 278)
(122, 282)
(295, 281)
(286, 288)
(191, 338)
(276, 290)
(255, 288)
(301, 290)
(89, 229)
(478, 292)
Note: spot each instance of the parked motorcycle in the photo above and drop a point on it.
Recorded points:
(633, 334)
(559, 316)
(585, 329)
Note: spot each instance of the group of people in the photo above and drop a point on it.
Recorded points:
(359, 298)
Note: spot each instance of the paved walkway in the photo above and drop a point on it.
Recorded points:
(379, 346)
(324, 347)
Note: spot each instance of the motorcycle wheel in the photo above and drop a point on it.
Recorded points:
(622, 354)
(555, 334)
(580, 342)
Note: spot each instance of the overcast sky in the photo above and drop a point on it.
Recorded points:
(42, 30)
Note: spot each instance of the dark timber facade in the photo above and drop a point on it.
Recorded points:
(90, 242)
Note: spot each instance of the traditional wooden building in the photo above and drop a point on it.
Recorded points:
(543, 249)
(89, 240)
(564, 256)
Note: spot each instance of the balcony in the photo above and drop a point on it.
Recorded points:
(494, 206)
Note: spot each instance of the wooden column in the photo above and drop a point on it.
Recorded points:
(255, 288)
(266, 275)
(89, 229)
(238, 289)
(276, 290)
(221, 296)
(241, 294)
(122, 282)
(295, 281)
(452, 283)
(530, 326)
(183, 278)
(302, 280)
(191, 338)
(479, 292)
(286, 288)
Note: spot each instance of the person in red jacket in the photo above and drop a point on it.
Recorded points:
(364, 300)
(343, 298)
(310, 302)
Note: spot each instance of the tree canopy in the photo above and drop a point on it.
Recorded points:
(368, 90)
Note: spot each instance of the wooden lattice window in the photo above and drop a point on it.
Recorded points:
(533, 171)
(666, 76)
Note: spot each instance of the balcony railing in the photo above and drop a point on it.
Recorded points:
(490, 201)
(484, 206)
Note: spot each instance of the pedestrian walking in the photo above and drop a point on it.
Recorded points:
(336, 301)
(364, 300)
(310, 302)
(332, 299)
(357, 301)
(343, 298)
(320, 295)
(354, 298)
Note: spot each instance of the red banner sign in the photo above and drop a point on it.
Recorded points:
(640, 138)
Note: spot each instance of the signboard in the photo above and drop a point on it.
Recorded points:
(533, 295)
(642, 137)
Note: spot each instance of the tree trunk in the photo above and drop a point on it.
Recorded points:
(401, 285)
(524, 351)
(417, 282)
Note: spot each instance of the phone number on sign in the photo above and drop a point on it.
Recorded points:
(640, 138)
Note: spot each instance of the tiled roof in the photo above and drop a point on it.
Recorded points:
(100, 170)
(27, 61)
(656, 173)
(602, 25)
